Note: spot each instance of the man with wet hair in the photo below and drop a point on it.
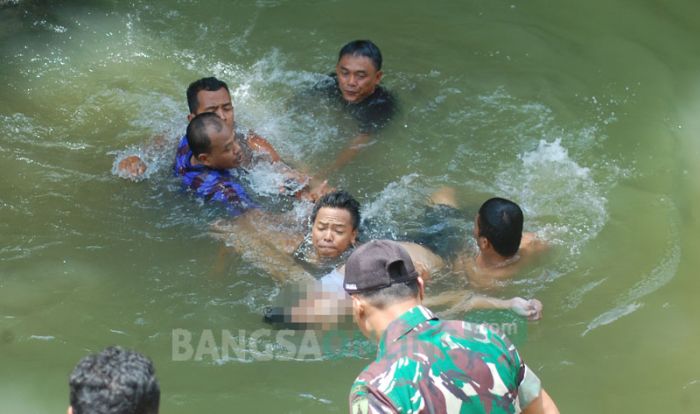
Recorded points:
(499, 225)
(206, 167)
(203, 95)
(503, 248)
(425, 364)
(355, 87)
(210, 163)
(115, 381)
(333, 236)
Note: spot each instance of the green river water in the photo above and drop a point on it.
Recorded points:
(585, 113)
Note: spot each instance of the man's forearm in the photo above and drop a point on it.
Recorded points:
(543, 404)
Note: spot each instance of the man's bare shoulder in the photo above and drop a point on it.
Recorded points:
(260, 144)
(425, 261)
(531, 245)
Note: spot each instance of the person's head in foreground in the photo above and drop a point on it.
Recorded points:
(498, 227)
(380, 276)
(334, 224)
(359, 70)
(210, 95)
(425, 364)
(212, 142)
(115, 381)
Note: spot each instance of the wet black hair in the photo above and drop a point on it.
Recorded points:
(501, 222)
(198, 132)
(363, 48)
(205, 84)
(342, 200)
(115, 381)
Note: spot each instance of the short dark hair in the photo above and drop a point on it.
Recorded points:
(397, 292)
(198, 132)
(115, 381)
(342, 200)
(205, 84)
(363, 48)
(501, 222)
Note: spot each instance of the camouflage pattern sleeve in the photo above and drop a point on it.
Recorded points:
(529, 385)
(364, 402)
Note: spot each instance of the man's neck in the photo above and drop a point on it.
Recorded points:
(383, 317)
(493, 260)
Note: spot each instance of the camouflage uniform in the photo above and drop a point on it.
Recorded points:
(425, 365)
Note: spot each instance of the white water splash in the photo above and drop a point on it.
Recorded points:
(560, 198)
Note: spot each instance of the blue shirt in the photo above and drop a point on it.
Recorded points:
(210, 183)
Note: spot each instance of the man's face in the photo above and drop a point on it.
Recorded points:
(225, 151)
(332, 232)
(357, 77)
(218, 102)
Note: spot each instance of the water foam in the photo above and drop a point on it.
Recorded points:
(560, 198)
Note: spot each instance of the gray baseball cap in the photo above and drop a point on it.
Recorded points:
(376, 265)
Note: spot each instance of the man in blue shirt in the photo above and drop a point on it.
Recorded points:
(212, 95)
(210, 160)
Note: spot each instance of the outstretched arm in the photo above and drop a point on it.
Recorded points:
(310, 189)
(465, 301)
(356, 145)
(134, 167)
(256, 236)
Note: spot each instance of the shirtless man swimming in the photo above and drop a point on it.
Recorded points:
(504, 250)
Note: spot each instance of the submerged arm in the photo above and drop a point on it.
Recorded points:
(347, 155)
(254, 238)
(309, 189)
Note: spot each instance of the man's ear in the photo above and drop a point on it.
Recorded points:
(190, 117)
(484, 243)
(354, 237)
(203, 159)
(378, 76)
(359, 308)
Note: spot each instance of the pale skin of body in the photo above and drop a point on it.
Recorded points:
(373, 321)
(332, 234)
(489, 268)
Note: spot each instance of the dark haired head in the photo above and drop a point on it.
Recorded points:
(342, 200)
(363, 48)
(205, 84)
(501, 222)
(198, 132)
(115, 381)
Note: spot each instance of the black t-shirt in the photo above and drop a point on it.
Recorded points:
(372, 113)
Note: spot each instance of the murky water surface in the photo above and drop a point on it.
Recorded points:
(586, 113)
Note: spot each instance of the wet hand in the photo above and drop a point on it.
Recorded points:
(132, 167)
(531, 309)
(313, 193)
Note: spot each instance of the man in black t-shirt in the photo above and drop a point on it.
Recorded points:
(355, 85)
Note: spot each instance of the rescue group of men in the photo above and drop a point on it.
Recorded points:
(424, 364)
